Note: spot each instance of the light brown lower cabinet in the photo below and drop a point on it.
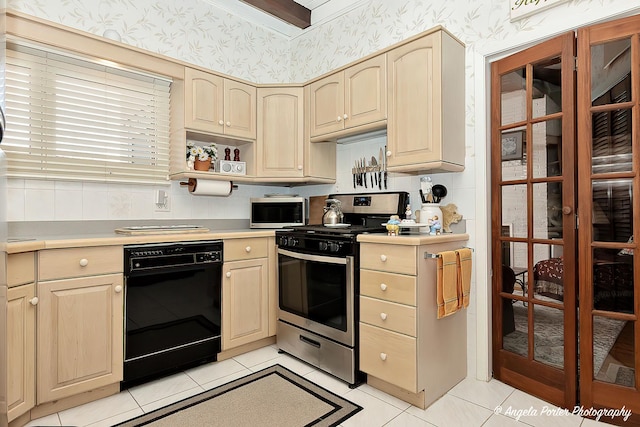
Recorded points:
(404, 349)
(21, 344)
(245, 302)
(79, 335)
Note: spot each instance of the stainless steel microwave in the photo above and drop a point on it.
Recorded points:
(277, 212)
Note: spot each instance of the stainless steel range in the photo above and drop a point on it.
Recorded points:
(318, 283)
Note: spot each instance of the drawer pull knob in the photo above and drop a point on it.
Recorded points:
(228, 274)
(383, 356)
(221, 122)
(383, 258)
(118, 289)
(383, 316)
(34, 301)
(248, 249)
(84, 262)
(383, 287)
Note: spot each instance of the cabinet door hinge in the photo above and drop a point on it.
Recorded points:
(577, 221)
(575, 63)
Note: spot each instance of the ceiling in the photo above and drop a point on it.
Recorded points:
(287, 17)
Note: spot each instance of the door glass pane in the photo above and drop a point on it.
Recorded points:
(513, 148)
(513, 96)
(514, 209)
(548, 273)
(548, 341)
(610, 65)
(619, 364)
(613, 280)
(612, 141)
(547, 96)
(547, 210)
(515, 327)
(612, 213)
(609, 346)
(547, 148)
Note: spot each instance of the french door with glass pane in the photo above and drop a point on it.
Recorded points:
(609, 207)
(550, 294)
(534, 221)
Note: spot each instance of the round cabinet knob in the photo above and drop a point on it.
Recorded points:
(383, 316)
(248, 249)
(221, 122)
(388, 153)
(345, 117)
(383, 287)
(383, 258)
(34, 301)
(299, 167)
(118, 289)
(229, 124)
(383, 356)
(84, 262)
(339, 119)
(567, 210)
(228, 274)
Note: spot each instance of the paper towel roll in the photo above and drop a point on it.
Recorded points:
(209, 188)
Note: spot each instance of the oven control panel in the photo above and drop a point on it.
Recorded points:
(316, 245)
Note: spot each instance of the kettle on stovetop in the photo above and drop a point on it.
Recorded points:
(332, 212)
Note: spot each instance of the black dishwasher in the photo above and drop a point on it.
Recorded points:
(172, 307)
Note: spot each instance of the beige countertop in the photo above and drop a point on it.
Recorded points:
(412, 239)
(102, 239)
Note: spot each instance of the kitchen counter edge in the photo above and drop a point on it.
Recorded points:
(117, 239)
(412, 239)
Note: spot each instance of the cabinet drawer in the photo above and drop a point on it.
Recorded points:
(388, 315)
(389, 356)
(21, 268)
(393, 258)
(237, 249)
(388, 286)
(76, 262)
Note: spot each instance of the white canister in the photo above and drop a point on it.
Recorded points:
(430, 213)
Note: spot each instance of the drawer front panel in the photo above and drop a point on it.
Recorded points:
(388, 286)
(389, 356)
(392, 258)
(239, 249)
(77, 262)
(21, 268)
(388, 315)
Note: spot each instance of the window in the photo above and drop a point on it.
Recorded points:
(76, 119)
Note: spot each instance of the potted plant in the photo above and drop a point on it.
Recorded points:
(201, 157)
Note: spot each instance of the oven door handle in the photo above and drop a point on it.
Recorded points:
(309, 257)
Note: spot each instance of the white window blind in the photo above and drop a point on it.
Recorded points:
(74, 119)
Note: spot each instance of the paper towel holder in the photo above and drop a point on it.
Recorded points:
(192, 184)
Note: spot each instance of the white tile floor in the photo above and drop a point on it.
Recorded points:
(471, 403)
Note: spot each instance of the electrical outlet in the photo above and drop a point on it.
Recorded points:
(162, 201)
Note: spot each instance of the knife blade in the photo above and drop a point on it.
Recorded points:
(385, 167)
(364, 171)
(353, 173)
(380, 167)
(374, 169)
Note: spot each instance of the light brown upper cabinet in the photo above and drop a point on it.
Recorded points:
(219, 105)
(426, 125)
(280, 142)
(350, 99)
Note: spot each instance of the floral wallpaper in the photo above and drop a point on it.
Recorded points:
(190, 30)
